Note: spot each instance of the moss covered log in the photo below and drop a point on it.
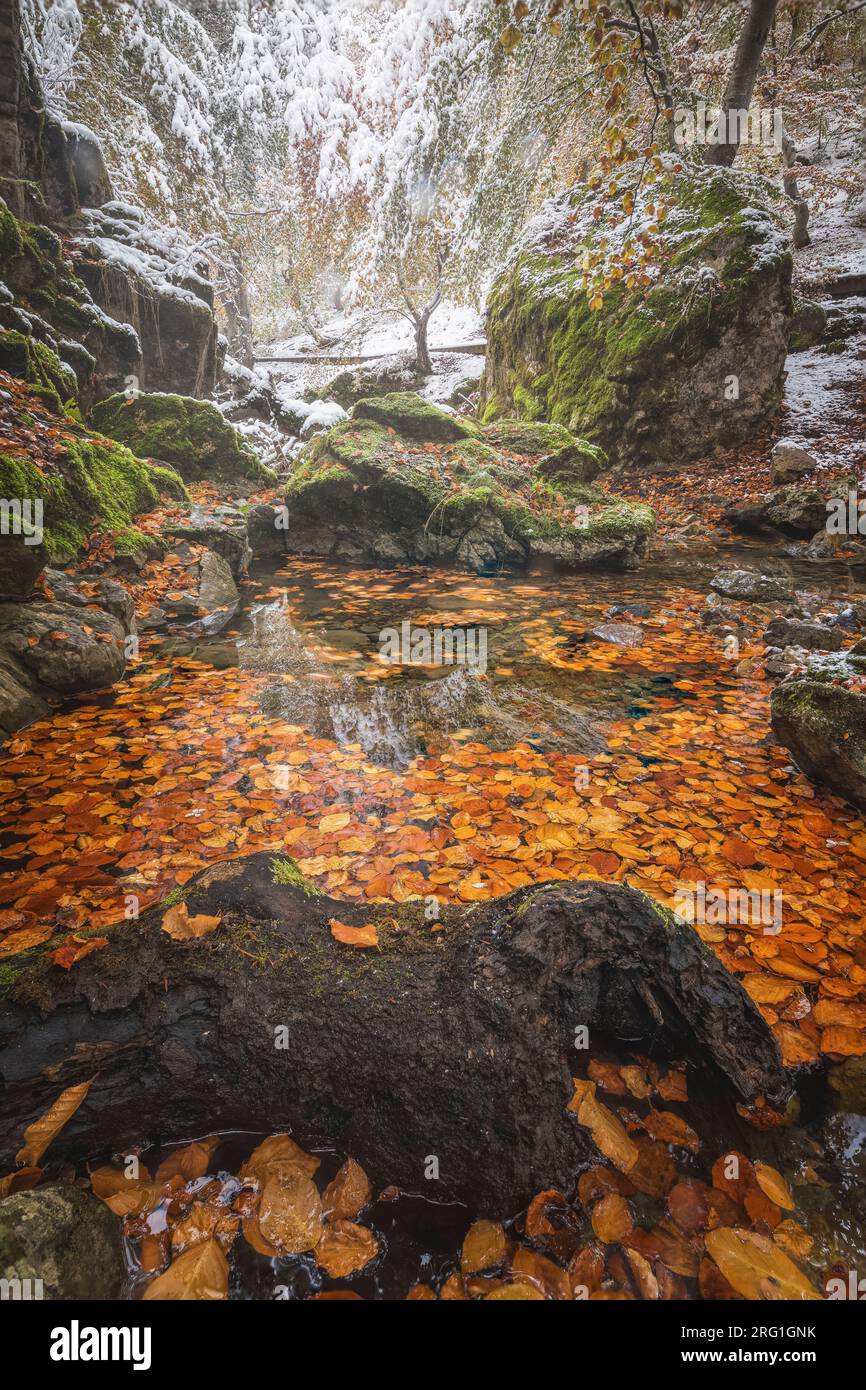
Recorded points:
(457, 1042)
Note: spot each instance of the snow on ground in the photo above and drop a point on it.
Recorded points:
(362, 334)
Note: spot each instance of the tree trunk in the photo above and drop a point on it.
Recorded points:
(422, 351)
(456, 1044)
(742, 78)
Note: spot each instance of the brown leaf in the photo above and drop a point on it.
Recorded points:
(200, 1273)
(42, 1132)
(76, 949)
(290, 1212)
(346, 1196)
(485, 1246)
(531, 1268)
(612, 1219)
(190, 1162)
(671, 1129)
(608, 1134)
(278, 1150)
(353, 936)
(22, 1180)
(178, 924)
(344, 1248)
(204, 1222)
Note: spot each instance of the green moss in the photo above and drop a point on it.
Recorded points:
(31, 361)
(411, 415)
(285, 870)
(94, 484)
(189, 434)
(550, 357)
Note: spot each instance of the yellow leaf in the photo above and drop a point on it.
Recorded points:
(608, 1134)
(773, 1185)
(484, 1247)
(755, 1267)
(45, 1130)
(290, 1212)
(201, 1273)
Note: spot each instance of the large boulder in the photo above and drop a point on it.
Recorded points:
(21, 562)
(388, 375)
(73, 641)
(799, 512)
(673, 372)
(402, 481)
(820, 714)
(189, 435)
(61, 1243)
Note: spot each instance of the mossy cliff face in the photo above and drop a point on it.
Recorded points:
(38, 365)
(188, 434)
(93, 484)
(403, 481)
(658, 376)
(820, 715)
(43, 300)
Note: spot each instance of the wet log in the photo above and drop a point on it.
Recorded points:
(456, 1043)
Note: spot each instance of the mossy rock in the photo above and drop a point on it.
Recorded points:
(668, 373)
(190, 435)
(364, 491)
(411, 415)
(820, 715)
(39, 365)
(560, 453)
(65, 1239)
(808, 326)
(93, 484)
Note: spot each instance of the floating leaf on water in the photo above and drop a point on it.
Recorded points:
(348, 1193)
(756, 1267)
(345, 1248)
(200, 1273)
(485, 1246)
(290, 1212)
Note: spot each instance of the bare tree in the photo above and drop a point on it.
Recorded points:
(741, 80)
(420, 314)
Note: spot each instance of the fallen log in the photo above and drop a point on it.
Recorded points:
(456, 1044)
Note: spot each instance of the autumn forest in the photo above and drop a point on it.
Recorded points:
(433, 664)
